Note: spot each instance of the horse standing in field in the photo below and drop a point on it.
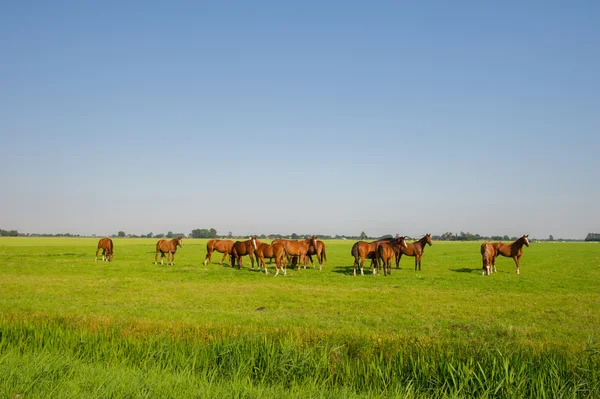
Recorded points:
(488, 257)
(414, 249)
(243, 248)
(222, 246)
(362, 250)
(272, 251)
(513, 250)
(298, 248)
(106, 245)
(319, 251)
(387, 250)
(168, 247)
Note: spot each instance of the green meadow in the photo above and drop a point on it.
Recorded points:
(129, 328)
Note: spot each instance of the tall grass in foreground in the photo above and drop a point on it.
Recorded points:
(52, 357)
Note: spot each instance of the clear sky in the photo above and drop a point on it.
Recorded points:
(310, 117)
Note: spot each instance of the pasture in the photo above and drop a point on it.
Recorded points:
(130, 328)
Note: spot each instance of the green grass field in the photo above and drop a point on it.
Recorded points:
(134, 329)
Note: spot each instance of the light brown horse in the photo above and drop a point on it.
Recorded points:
(272, 251)
(387, 250)
(243, 248)
(362, 250)
(106, 245)
(488, 256)
(298, 248)
(513, 250)
(168, 247)
(414, 249)
(222, 246)
(319, 251)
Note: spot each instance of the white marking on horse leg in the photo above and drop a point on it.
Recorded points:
(162, 261)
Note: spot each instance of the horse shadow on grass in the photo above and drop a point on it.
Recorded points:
(466, 270)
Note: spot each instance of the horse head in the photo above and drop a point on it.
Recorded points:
(402, 241)
(253, 241)
(313, 241)
(525, 239)
(179, 243)
(428, 238)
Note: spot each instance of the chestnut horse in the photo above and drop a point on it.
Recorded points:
(385, 252)
(362, 250)
(414, 249)
(320, 251)
(488, 257)
(168, 247)
(272, 251)
(106, 245)
(514, 250)
(298, 248)
(243, 248)
(222, 246)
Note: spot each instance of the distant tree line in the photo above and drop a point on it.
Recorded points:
(170, 234)
(593, 237)
(9, 233)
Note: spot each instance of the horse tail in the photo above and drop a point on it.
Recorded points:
(110, 246)
(354, 251)
(324, 254)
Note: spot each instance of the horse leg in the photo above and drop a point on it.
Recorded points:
(173, 259)
(224, 255)
(398, 257)
(264, 265)
(156, 258)
(516, 258)
(416, 261)
(207, 258)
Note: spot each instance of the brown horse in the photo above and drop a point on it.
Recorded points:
(298, 248)
(272, 251)
(243, 248)
(222, 246)
(362, 250)
(513, 250)
(387, 250)
(168, 247)
(414, 249)
(320, 251)
(106, 245)
(488, 257)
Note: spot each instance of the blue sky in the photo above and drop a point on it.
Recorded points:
(315, 117)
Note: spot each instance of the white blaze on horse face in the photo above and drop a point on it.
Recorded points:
(527, 241)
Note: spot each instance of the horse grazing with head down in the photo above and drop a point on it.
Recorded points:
(106, 245)
(362, 250)
(272, 251)
(243, 248)
(168, 247)
(488, 257)
(513, 250)
(387, 250)
(298, 248)
(222, 246)
(414, 249)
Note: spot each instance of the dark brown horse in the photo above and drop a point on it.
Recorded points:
(488, 257)
(362, 250)
(243, 248)
(386, 251)
(414, 249)
(106, 245)
(222, 246)
(513, 250)
(168, 247)
(272, 251)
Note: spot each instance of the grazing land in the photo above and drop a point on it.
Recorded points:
(129, 328)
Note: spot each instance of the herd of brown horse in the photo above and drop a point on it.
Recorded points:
(282, 251)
